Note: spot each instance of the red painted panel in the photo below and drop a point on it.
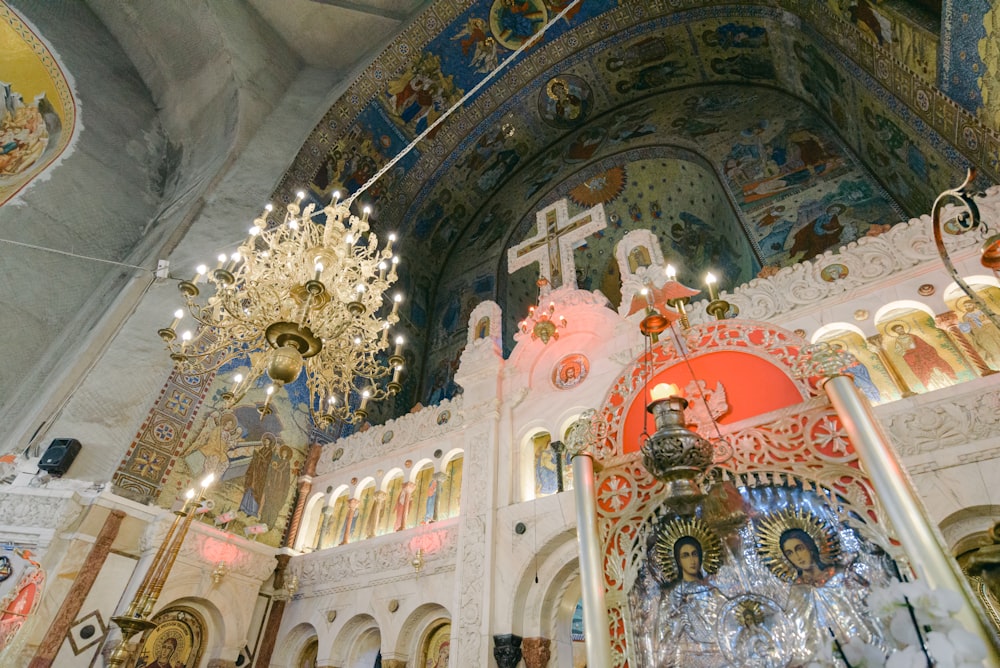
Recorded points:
(753, 386)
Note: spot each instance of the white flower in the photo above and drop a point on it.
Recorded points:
(863, 655)
(969, 648)
(906, 658)
(901, 628)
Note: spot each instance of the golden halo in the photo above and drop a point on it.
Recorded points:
(893, 323)
(552, 82)
(769, 532)
(668, 535)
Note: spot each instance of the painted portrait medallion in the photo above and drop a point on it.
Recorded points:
(570, 371)
(565, 101)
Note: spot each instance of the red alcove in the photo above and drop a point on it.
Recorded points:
(753, 386)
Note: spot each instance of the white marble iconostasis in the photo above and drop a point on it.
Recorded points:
(504, 558)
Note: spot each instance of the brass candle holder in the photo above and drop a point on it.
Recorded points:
(136, 617)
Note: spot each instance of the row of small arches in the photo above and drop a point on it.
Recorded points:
(396, 501)
(915, 350)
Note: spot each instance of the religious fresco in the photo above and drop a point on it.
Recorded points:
(176, 642)
(976, 327)
(22, 580)
(400, 503)
(254, 451)
(967, 27)
(437, 648)
(871, 375)
(925, 357)
(536, 125)
(307, 657)
(38, 113)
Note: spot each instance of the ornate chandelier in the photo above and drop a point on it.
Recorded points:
(542, 323)
(300, 294)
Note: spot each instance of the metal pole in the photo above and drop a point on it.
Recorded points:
(914, 529)
(595, 610)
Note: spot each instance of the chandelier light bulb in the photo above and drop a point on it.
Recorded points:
(293, 224)
(207, 480)
(238, 378)
(349, 239)
(671, 272)
(201, 269)
(254, 230)
(332, 400)
(178, 314)
(392, 237)
(360, 289)
(222, 260)
(186, 336)
(189, 494)
(268, 207)
(365, 212)
(300, 195)
(270, 390)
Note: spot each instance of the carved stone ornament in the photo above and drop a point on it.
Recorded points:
(537, 652)
(407, 429)
(950, 421)
(869, 260)
(507, 650)
(357, 566)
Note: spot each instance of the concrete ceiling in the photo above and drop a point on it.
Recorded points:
(325, 33)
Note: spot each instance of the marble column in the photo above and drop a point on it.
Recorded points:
(949, 322)
(507, 650)
(557, 449)
(267, 641)
(77, 594)
(305, 486)
(904, 509)
(537, 652)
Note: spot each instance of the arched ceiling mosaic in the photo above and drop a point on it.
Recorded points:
(751, 122)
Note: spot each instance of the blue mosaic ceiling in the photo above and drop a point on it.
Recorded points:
(462, 190)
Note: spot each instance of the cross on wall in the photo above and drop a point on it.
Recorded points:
(552, 246)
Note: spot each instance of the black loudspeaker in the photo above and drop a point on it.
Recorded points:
(59, 456)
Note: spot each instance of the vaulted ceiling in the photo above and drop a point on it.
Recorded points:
(178, 98)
